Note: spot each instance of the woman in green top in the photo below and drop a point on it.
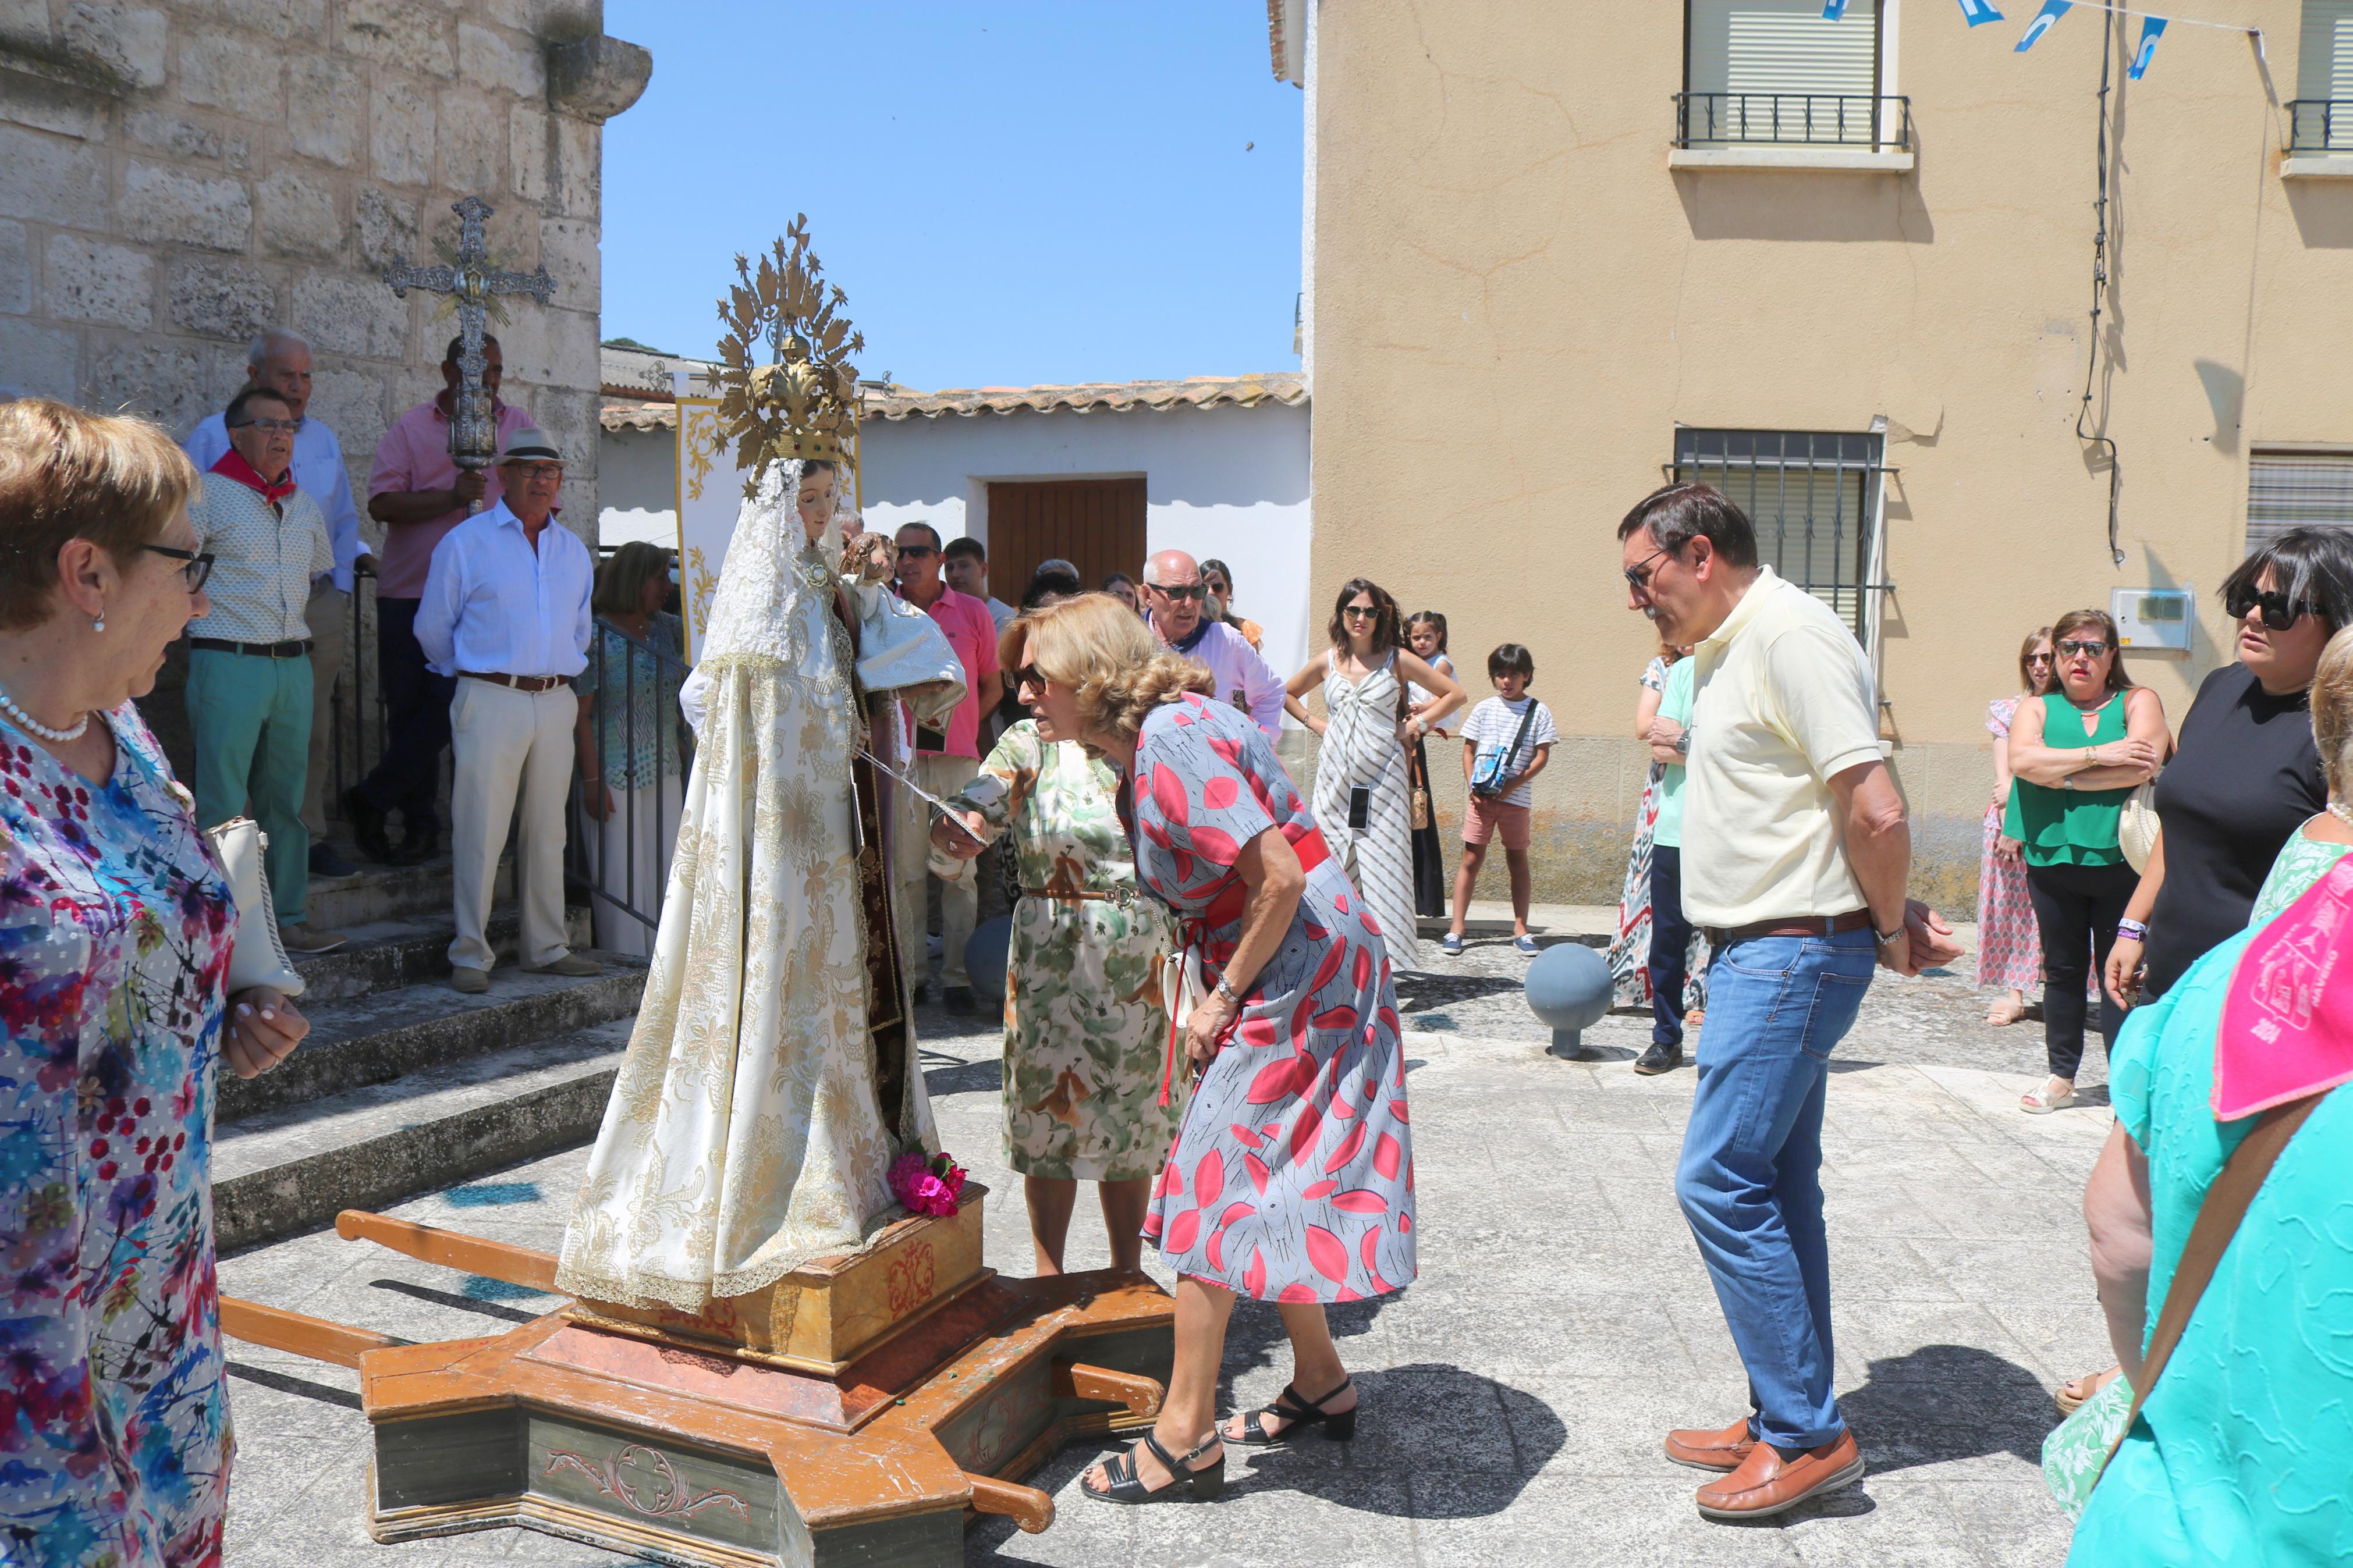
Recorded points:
(2075, 754)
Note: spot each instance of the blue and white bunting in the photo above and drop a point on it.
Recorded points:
(1834, 10)
(2152, 29)
(2045, 20)
(1978, 13)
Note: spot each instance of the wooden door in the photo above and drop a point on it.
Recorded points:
(1097, 525)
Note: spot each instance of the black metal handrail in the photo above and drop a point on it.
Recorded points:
(356, 716)
(1874, 123)
(2320, 125)
(618, 701)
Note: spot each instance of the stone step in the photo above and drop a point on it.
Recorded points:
(387, 1035)
(278, 1173)
(384, 955)
(391, 893)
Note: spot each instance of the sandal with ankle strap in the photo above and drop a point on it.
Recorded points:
(1199, 1486)
(1298, 1412)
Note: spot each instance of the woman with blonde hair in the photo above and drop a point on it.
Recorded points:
(2009, 952)
(631, 741)
(1292, 1177)
(1085, 1028)
(116, 930)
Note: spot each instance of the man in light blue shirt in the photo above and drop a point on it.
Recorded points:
(281, 361)
(505, 612)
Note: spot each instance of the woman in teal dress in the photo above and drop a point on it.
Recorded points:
(2243, 1450)
(1086, 1034)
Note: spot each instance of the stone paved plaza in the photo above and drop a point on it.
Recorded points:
(1515, 1396)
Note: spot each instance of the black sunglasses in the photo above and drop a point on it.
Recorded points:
(1638, 576)
(2073, 647)
(1367, 611)
(2280, 612)
(197, 570)
(1028, 675)
(915, 552)
(1181, 590)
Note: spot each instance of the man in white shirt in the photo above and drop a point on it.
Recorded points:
(505, 614)
(1795, 851)
(1173, 599)
(281, 361)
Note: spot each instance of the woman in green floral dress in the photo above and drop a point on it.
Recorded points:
(1087, 1098)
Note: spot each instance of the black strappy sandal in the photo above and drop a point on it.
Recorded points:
(1299, 1412)
(1198, 1486)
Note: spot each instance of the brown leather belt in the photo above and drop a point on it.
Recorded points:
(1797, 925)
(531, 683)
(1078, 897)
(293, 648)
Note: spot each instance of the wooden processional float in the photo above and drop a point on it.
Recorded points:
(861, 1410)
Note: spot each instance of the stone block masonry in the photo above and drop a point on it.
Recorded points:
(177, 175)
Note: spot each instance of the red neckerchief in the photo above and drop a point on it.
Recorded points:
(233, 465)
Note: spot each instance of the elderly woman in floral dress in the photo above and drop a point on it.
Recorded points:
(115, 932)
(1085, 1029)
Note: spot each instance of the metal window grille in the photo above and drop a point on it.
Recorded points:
(2320, 125)
(2297, 489)
(1813, 497)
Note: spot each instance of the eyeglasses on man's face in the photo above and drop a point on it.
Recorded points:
(1639, 575)
(1180, 590)
(2078, 648)
(196, 566)
(275, 426)
(916, 552)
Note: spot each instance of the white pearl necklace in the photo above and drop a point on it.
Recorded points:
(2341, 810)
(28, 722)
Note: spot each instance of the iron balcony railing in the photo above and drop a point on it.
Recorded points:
(1859, 121)
(2320, 125)
(634, 734)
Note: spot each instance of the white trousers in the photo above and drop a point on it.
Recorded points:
(633, 840)
(512, 748)
(959, 900)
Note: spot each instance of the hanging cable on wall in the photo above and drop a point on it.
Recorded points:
(2099, 300)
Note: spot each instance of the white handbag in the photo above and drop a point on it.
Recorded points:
(2137, 825)
(258, 957)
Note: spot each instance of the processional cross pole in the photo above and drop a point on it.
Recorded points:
(470, 282)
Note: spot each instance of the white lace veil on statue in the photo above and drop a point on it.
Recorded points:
(745, 1135)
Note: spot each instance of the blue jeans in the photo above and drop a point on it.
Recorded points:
(1750, 1177)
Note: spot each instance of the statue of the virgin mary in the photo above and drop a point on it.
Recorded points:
(771, 1079)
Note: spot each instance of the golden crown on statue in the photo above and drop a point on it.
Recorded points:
(803, 401)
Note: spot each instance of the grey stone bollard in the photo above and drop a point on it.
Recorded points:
(1568, 988)
(984, 958)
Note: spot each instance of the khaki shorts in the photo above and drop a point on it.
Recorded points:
(1487, 815)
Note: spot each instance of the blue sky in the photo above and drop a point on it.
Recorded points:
(1011, 193)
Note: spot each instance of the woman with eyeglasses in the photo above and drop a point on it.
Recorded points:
(1363, 800)
(2247, 773)
(2009, 952)
(115, 932)
(2077, 752)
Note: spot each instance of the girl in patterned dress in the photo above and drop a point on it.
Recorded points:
(1292, 1178)
(1363, 803)
(115, 930)
(2010, 949)
(1085, 1030)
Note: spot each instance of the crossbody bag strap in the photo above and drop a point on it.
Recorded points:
(2226, 1204)
(1527, 718)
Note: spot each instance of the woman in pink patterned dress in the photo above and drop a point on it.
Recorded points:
(2010, 950)
(1292, 1178)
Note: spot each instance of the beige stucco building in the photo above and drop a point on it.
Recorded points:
(1857, 259)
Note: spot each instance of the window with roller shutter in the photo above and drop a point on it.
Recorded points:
(2321, 118)
(2297, 489)
(1776, 71)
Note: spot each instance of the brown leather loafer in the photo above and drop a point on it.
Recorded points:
(1711, 1450)
(1766, 1484)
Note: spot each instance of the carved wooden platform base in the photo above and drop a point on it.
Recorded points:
(682, 1451)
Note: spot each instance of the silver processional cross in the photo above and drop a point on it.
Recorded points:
(473, 433)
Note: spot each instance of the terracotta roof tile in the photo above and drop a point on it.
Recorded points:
(1288, 388)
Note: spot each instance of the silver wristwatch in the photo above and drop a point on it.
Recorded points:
(1225, 988)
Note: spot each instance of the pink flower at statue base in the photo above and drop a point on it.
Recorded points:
(931, 1186)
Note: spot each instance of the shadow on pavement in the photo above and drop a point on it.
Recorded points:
(1944, 1402)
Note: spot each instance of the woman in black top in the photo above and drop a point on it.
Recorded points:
(2246, 774)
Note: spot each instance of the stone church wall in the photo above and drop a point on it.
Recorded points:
(179, 174)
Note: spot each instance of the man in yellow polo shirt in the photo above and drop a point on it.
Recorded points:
(1795, 851)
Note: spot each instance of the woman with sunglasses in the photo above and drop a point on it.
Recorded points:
(2246, 774)
(2077, 752)
(115, 930)
(2009, 952)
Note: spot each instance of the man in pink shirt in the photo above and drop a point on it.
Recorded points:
(419, 494)
(945, 765)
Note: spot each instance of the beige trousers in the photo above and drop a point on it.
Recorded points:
(512, 749)
(329, 617)
(959, 900)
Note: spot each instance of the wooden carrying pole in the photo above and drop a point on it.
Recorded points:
(314, 1338)
(524, 1266)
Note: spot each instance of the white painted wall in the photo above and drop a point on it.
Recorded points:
(637, 487)
(1226, 482)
